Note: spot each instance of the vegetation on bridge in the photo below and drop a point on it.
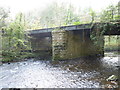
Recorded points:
(98, 31)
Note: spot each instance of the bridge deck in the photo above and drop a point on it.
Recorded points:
(116, 31)
(67, 28)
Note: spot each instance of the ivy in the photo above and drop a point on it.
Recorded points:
(99, 29)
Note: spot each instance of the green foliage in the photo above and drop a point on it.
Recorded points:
(14, 40)
(53, 15)
(112, 43)
(63, 14)
(76, 23)
(98, 32)
(92, 14)
(110, 13)
(70, 16)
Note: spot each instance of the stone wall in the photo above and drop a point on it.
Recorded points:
(59, 44)
(73, 44)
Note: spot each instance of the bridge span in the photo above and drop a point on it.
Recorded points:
(69, 42)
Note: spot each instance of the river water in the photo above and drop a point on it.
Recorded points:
(80, 73)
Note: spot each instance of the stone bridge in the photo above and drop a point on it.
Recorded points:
(70, 42)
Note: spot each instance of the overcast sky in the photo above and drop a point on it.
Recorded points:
(27, 5)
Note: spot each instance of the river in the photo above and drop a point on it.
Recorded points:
(79, 73)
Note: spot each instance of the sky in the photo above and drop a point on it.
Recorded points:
(28, 5)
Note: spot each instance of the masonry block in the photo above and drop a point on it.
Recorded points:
(73, 44)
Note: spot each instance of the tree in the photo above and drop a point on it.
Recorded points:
(3, 23)
(70, 16)
(53, 15)
(14, 39)
(110, 13)
(3, 16)
(92, 14)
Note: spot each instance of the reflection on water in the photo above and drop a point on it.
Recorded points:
(80, 73)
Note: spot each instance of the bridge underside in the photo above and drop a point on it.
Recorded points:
(113, 32)
(41, 45)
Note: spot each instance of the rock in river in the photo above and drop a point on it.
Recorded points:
(112, 78)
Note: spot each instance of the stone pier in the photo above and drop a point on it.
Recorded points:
(74, 44)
